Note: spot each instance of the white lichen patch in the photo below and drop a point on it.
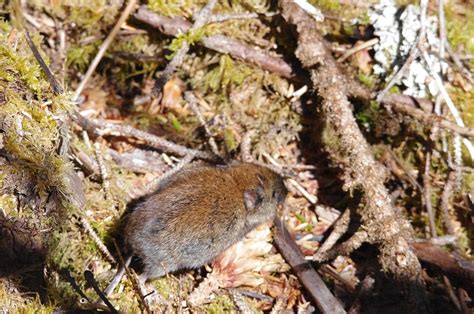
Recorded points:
(398, 29)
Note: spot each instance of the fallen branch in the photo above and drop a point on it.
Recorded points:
(308, 277)
(447, 262)
(219, 43)
(102, 128)
(407, 105)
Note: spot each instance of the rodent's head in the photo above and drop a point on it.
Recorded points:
(264, 195)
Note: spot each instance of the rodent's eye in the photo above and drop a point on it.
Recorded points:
(274, 194)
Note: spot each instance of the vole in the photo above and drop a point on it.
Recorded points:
(196, 214)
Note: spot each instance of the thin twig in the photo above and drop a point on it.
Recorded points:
(442, 48)
(192, 101)
(358, 48)
(445, 201)
(104, 174)
(452, 108)
(105, 251)
(101, 127)
(238, 16)
(255, 295)
(464, 70)
(345, 248)
(451, 294)
(200, 19)
(427, 195)
(330, 271)
(57, 88)
(310, 197)
(340, 227)
(133, 278)
(90, 279)
(458, 162)
(125, 13)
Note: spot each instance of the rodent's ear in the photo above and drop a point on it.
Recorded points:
(253, 198)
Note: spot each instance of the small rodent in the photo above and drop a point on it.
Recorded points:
(198, 213)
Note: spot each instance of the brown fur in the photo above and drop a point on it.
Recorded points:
(198, 213)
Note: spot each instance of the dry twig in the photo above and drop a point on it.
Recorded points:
(452, 296)
(101, 127)
(192, 101)
(238, 16)
(85, 223)
(407, 105)
(125, 13)
(358, 48)
(199, 21)
(445, 201)
(427, 195)
(452, 108)
(340, 227)
(448, 262)
(308, 277)
(90, 279)
(220, 43)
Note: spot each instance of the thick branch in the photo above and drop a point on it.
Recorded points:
(389, 231)
(450, 263)
(407, 105)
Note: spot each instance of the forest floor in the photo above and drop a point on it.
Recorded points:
(365, 107)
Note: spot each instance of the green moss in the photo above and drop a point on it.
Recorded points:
(367, 116)
(367, 80)
(229, 139)
(460, 27)
(227, 73)
(328, 5)
(81, 55)
(166, 286)
(175, 122)
(221, 304)
(168, 7)
(191, 37)
(8, 203)
(94, 17)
